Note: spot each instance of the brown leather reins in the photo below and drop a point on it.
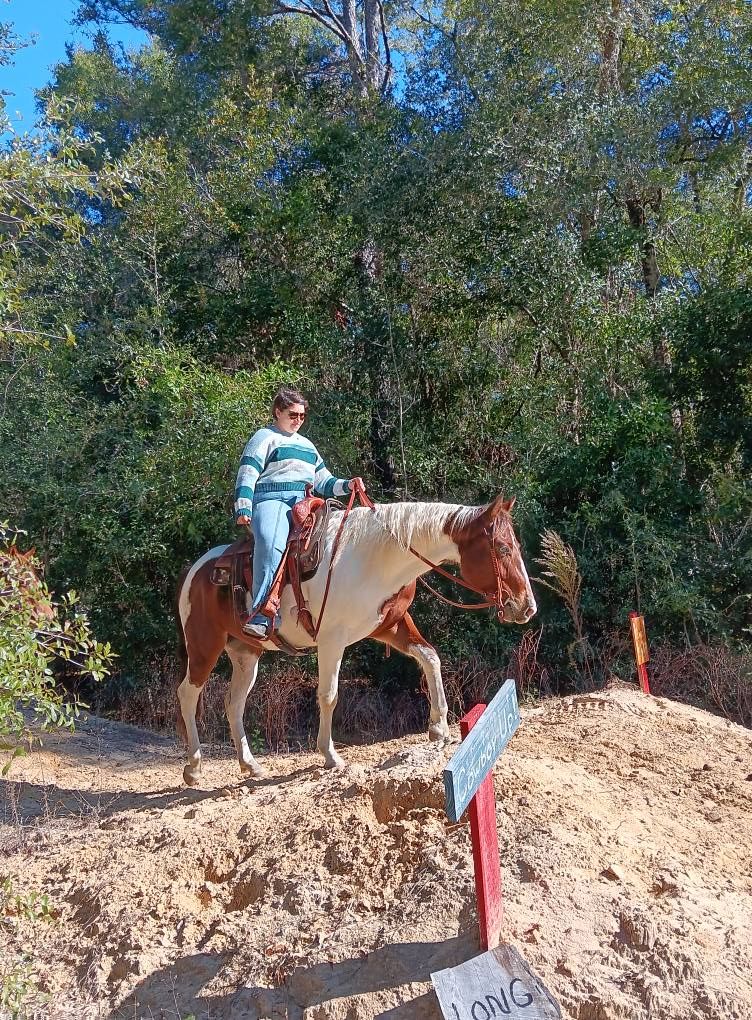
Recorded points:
(357, 490)
(495, 599)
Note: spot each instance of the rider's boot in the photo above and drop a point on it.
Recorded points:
(256, 625)
(259, 626)
(257, 630)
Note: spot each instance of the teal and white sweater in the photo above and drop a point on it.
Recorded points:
(276, 464)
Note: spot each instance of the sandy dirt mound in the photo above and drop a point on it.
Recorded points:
(626, 839)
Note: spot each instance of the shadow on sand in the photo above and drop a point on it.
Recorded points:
(386, 974)
(26, 803)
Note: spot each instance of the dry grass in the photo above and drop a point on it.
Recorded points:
(562, 576)
(469, 683)
(709, 676)
(154, 706)
(282, 705)
(363, 711)
(525, 668)
(282, 711)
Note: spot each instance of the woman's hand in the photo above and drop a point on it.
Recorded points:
(243, 521)
(354, 483)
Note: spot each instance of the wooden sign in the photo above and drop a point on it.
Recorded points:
(476, 755)
(497, 984)
(640, 642)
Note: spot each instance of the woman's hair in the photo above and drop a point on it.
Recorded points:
(286, 397)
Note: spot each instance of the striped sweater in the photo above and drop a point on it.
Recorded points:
(275, 463)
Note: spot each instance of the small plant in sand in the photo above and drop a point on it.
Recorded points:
(28, 906)
(562, 576)
(35, 632)
(20, 995)
(18, 990)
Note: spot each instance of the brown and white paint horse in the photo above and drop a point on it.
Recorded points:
(372, 586)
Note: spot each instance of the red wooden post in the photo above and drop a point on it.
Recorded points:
(485, 840)
(642, 674)
(642, 656)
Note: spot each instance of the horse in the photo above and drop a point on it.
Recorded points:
(383, 552)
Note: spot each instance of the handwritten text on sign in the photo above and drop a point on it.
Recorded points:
(476, 754)
(497, 984)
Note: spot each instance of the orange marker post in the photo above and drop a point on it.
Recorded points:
(640, 642)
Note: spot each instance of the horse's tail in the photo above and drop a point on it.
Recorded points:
(182, 651)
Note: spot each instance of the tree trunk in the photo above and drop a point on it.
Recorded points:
(611, 40)
(372, 32)
(741, 185)
(354, 52)
(637, 207)
(369, 75)
(382, 423)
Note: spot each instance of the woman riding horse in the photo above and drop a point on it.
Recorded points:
(277, 465)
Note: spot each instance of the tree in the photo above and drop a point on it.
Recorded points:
(481, 275)
(359, 29)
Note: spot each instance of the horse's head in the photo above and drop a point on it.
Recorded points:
(491, 560)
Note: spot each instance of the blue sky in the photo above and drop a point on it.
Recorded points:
(51, 22)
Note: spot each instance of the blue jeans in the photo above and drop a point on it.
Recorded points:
(271, 527)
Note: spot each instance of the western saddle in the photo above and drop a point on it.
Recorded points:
(300, 561)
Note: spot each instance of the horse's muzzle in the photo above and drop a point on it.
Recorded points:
(513, 613)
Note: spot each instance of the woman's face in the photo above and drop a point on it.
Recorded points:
(291, 418)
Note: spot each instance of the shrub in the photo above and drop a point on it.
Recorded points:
(35, 633)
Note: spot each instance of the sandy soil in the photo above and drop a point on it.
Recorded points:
(626, 841)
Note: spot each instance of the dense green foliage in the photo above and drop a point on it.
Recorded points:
(520, 260)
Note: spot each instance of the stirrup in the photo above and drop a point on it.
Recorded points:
(256, 630)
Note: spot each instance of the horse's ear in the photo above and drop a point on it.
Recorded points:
(500, 505)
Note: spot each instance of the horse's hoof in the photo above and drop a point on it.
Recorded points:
(190, 775)
(439, 731)
(253, 771)
(335, 762)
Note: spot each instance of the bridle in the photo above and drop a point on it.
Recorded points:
(497, 599)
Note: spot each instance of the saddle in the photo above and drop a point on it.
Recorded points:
(300, 561)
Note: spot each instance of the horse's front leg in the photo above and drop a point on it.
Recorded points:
(244, 669)
(406, 638)
(330, 660)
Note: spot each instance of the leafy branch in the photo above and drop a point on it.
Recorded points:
(35, 633)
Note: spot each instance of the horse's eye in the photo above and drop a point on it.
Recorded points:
(505, 549)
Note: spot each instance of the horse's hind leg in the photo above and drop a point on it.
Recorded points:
(244, 668)
(406, 638)
(189, 694)
(201, 661)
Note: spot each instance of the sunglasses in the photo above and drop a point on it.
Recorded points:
(296, 415)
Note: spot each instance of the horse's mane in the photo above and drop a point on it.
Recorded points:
(405, 523)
